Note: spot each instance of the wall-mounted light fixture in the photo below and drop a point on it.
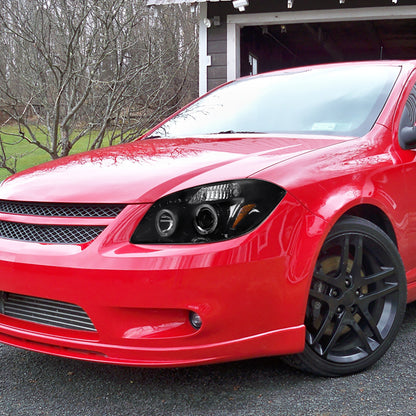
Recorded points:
(290, 3)
(207, 22)
(240, 4)
(216, 21)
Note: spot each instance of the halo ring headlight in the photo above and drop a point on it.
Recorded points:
(206, 219)
(166, 222)
(208, 213)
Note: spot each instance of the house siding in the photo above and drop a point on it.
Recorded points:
(217, 49)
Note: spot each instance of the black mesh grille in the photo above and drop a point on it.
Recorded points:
(45, 311)
(61, 210)
(59, 234)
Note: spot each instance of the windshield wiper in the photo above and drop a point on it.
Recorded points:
(237, 132)
(156, 136)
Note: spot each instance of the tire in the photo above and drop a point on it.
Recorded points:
(356, 301)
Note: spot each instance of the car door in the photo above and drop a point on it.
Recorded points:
(405, 121)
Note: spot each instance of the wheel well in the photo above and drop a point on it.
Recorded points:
(376, 216)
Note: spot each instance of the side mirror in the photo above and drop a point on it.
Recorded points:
(407, 138)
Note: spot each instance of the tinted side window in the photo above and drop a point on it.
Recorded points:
(407, 128)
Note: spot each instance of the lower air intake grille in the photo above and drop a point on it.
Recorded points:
(45, 311)
(58, 234)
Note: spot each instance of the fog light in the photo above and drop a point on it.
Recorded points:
(195, 319)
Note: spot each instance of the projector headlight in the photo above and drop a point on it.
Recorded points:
(208, 213)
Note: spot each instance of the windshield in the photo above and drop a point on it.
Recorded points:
(341, 100)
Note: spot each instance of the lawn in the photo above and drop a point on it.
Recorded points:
(27, 155)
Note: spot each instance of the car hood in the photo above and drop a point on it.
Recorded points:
(145, 170)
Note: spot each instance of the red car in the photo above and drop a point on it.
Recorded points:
(274, 216)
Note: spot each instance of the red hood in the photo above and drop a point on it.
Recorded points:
(145, 170)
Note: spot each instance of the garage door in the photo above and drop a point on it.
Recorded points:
(266, 41)
(268, 47)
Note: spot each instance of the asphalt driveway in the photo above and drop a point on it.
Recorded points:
(34, 384)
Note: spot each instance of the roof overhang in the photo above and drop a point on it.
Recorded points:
(238, 4)
(166, 2)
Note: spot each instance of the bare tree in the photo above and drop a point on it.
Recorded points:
(96, 68)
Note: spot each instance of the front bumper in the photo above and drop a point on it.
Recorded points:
(250, 292)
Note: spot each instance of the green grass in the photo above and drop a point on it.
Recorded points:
(28, 155)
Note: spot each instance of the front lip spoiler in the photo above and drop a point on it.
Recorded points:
(284, 341)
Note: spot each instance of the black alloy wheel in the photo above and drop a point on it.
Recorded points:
(356, 301)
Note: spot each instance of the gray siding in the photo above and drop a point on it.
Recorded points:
(217, 49)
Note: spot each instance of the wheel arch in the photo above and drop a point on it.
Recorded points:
(366, 211)
(375, 215)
